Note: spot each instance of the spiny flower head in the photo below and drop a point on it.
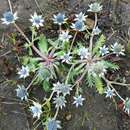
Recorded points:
(104, 50)
(84, 53)
(53, 124)
(117, 49)
(61, 88)
(95, 7)
(109, 92)
(36, 110)
(59, 101)
(66, 58)
(23, 72)
(37, 20)
(22, 92)
(127, 105)
(80, 17)
(96, 31)
(78, 100)
(59, 18)
(78, 26)
(9, 17)
(64, 36)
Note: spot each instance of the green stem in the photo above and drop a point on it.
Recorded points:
(67, 78)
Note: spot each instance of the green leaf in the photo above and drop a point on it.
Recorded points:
(110, 65)
(43, 44)
(90, 80)
(101, 41)
(128, 48)
(46, 86)
(99, 84)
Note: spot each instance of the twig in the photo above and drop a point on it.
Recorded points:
(57, 110)
(26, 38)
(5, 54)
(109, 83)
(38, 6)
(31, 82)
(10, 6)
(92, 35)
(48, 100)
(73, 40)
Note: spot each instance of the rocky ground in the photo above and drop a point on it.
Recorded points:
(98, 113)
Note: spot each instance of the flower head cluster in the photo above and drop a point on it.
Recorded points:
(117, 49)
(98, 68)
(59, 18)
(61, 88)
(53, 124)
(109, 92)
(9, 17)
(22, 92)
(36, 110)
(37, 20)
(23, 72)
(78, 100)
(95, 7)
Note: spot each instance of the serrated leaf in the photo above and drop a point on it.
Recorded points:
(43, 44)
(101, 41)
(46, 86)
(110, 65)
(99, 84)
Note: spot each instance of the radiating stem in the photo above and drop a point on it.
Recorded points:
(10, 6)
(48, 100)
(31, 82)
(109, 83)
(57, 110)
(67, 78)
(92, 35)
(73, 41)
(27, 39)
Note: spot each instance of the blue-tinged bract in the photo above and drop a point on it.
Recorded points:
(36, 110)
(59, 18)
(23, 72)
(109, 92)
(78, 26)
(37, 20)
(95, 7)
(9, 17)
(78, 100)
(59, 102)
(53, 124)
(21, 92)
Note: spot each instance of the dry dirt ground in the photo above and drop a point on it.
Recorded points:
(98, 113)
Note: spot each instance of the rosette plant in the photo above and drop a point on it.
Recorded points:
(62, 65)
